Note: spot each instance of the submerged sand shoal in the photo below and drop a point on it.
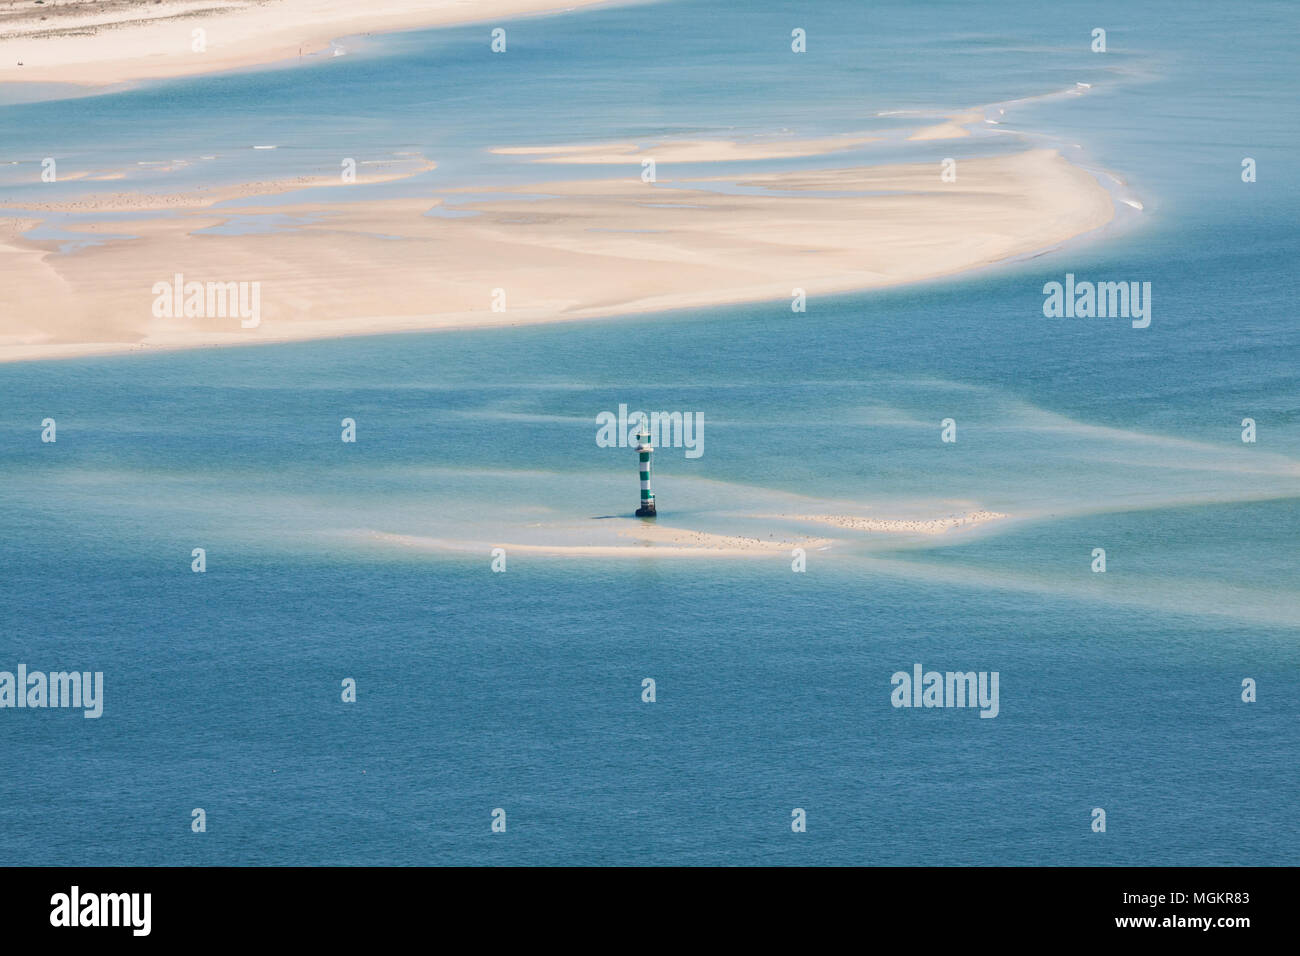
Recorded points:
(648, 539)
(628, 537)
(897, 525)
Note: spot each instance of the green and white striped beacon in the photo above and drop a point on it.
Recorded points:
(644, 450)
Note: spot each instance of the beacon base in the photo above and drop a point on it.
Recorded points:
(646, 511)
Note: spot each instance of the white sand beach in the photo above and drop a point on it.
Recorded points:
(95, 43)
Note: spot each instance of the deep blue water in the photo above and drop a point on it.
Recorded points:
(522, 690)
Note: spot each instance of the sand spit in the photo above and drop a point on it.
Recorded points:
(954, 128)
(587, 249)
(204, 197)
(685, 151)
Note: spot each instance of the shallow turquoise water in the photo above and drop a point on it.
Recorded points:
(522, 690)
